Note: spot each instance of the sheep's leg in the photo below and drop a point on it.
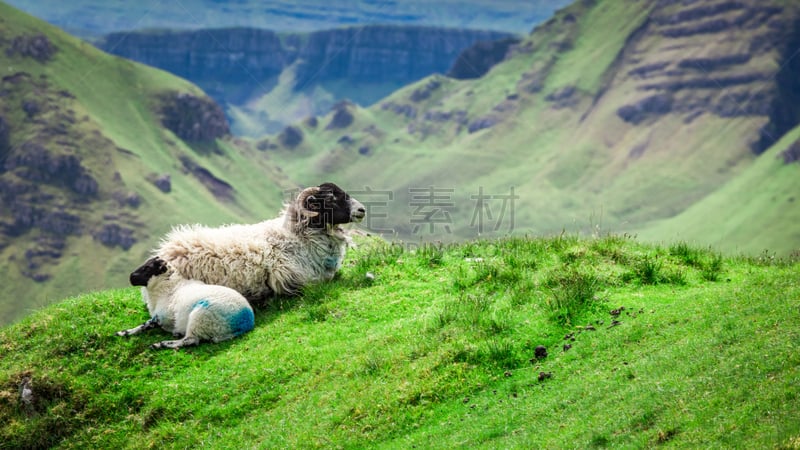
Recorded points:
(185, 342)
(150, 324)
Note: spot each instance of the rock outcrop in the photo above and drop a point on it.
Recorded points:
(476, 60)
(688, 73)
(36, 46)
(192, 118)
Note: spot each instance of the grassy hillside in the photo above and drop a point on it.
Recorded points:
(436, 348)
(104, 113)
(611, 114)
(765, 214)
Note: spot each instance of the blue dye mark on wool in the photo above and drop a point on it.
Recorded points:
(203, 303)
(331, 262)
(242, 322)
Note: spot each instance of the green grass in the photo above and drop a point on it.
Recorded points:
(433, 347)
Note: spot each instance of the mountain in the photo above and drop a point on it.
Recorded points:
(267, 80)
(94, 18)
(611, 116)
(98, 157)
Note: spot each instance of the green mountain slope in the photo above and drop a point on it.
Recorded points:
(612, 114)
(755, 212)
(437, 349)
(85, 138)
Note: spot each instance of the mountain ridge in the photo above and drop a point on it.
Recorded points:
(619, 135)
(244, 68)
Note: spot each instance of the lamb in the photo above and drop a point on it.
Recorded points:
(190, 309)
(305, 244)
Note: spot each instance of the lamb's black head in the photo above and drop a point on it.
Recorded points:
(152, 267)
(327, 204)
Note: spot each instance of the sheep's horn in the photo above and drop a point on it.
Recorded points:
(301, 201)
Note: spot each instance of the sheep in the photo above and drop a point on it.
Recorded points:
(304, 244)
(190, 309)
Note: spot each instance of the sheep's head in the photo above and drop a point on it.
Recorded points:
(151, 268)
(328, 205)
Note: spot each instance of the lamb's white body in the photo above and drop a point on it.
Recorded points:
(193, 310)
(305, 244)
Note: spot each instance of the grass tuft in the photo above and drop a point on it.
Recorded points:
(572, 294)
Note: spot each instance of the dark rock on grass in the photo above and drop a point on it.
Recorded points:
(425, 92)
(31, 108)
(163, 182)
(477, 60)
(655, 105)
(193, 118)
(567, 347)
(407, 111)
(4, 138)
(112, 235)
(36, 46)
(792, 153)
(545, 376)
(482, 123)
(342, 117)
(290, 137)
(540, 352)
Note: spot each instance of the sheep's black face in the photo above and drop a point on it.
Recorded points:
(333, 206)
(152, 267)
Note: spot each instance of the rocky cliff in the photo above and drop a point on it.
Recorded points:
(238, 66)
(384, 53)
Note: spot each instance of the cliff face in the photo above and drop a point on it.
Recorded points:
(238, 67)
(237, 55)
(384, 53)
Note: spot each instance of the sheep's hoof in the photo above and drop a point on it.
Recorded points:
(180, 343)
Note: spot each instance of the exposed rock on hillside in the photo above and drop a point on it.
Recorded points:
(163, 182)
(792, 154)
(733, 80)
(193, 119)
(36, 46)
(342, 117)
(221, 189)
(4, 139)
(115, 235)
(426, 91)
(476, 60)
(291, 137)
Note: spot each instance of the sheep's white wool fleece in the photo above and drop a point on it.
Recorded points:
(274, 256)
(196, 309)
